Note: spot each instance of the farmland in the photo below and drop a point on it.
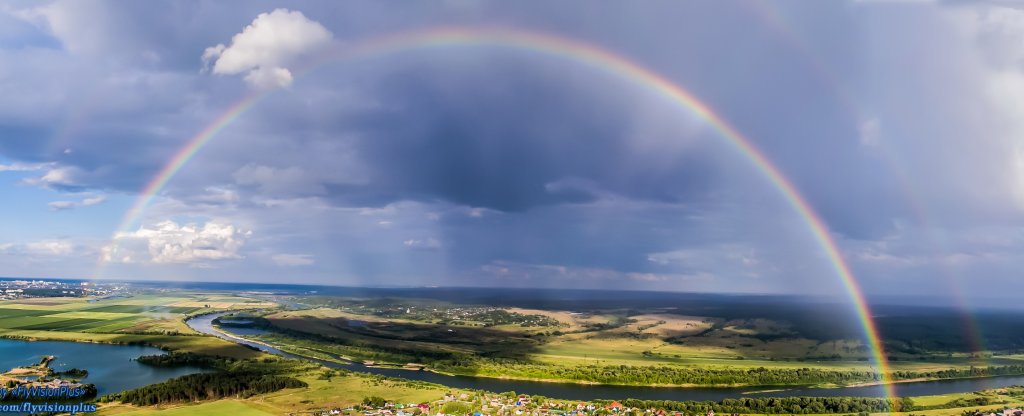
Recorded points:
(607, 346)
(152, 319)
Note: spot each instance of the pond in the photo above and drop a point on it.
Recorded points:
(112, 368)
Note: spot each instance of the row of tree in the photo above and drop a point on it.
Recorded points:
(651, 375)
(777, 405)
(184, 359)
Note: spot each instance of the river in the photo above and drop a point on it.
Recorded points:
(574, 391)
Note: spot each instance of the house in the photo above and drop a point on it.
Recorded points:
(615, 407)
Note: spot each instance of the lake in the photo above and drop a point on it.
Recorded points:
(112, 368)
(573, 391)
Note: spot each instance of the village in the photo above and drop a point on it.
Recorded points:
(507, 404)
(1004, 412)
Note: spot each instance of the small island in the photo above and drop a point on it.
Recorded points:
(43, 376)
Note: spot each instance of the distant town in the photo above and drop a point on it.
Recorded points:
(24, 288)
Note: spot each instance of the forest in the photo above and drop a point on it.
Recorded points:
(206, 386)
(233, 378)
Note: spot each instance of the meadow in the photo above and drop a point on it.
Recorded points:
(587, 345)
(152, 319)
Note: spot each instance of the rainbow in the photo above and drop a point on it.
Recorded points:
(777, 22)
(577, 52)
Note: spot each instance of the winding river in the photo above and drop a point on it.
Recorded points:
(574, 391)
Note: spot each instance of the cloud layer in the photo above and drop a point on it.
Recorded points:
(483, 165)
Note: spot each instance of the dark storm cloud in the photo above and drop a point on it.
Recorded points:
(503, 134)
(509, 138)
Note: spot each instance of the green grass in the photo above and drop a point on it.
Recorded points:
(218, 408)
(14, 313)
(60, 323)
(139, 319)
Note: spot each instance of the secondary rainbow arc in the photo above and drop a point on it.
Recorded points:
(575, 51)
(776, 21)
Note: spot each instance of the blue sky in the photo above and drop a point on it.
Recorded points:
(897, 120)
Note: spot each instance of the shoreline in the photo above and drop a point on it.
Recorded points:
(767, 388)
(763, 388)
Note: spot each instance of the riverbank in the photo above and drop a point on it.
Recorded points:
(591, 391)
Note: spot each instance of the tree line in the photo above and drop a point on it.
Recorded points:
(206, 386)
(234, 378)
(651, 375)
(672, 375)
(777, 405)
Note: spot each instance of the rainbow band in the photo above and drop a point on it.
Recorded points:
(776, 22)
(578, 52)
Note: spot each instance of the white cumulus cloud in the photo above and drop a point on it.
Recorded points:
(169, 242)
(23, 167)
(55, 177)
(39, 248)
(87, 202)
(264, 49)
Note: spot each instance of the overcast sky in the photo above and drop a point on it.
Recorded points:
(900, 123)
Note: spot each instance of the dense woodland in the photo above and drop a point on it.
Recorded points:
(204, 386)
(234, 378)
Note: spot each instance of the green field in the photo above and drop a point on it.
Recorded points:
(149, 319)
(609, 347)
(218, 408)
